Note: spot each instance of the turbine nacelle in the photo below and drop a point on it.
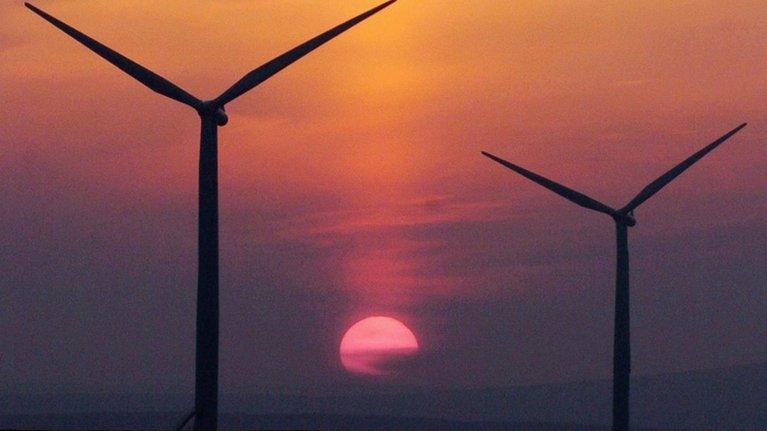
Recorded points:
(626, 218)
(209, 109)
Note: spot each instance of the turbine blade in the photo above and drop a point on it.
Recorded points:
(269, 69)
(140, 73)
(565, 192)
(669, 176)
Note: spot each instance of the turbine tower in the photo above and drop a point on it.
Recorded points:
(624, 218)
(212, 116)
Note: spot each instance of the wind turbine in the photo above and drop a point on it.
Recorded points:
(624, 218)
(212, 116)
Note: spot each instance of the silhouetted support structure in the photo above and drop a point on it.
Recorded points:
(622, 331)
(212, 116)
(206, 361)
(624, 218)
(182, 423)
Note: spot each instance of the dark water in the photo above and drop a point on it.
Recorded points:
(730, 399)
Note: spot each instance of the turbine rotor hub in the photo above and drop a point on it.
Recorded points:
(625, 218)
(218, 113)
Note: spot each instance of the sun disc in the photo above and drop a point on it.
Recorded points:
(374, 345)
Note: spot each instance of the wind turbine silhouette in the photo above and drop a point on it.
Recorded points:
(212, 116)
(623, 218)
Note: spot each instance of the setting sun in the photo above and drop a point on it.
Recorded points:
(374, 345)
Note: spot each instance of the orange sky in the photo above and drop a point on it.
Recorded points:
(380, 130)
(411, 95)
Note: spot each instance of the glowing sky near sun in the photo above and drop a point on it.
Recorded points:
(351, 185)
